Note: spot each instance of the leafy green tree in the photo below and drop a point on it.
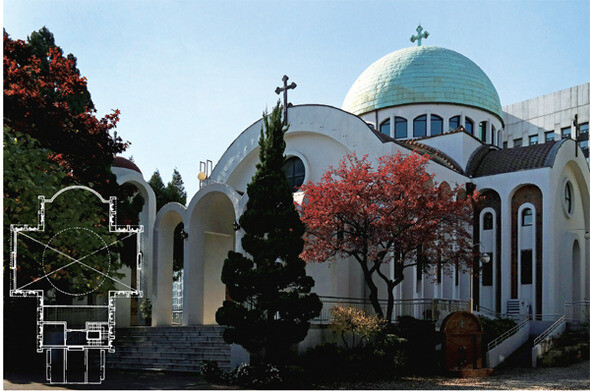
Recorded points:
(173, 192)
(271, 305)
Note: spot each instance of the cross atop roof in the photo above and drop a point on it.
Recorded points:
(419, 37)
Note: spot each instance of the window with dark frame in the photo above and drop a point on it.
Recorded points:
(483, 127)
(488, 221)
(517, 142)
(385, 127)
(584, 139)
(527, 217)
(566, 132)
(534, 139)
(568, 198)
(420, 126)
(549, 136)
(469, 126)
(454, 122)
(295, 172)
(493, 135)
(436, 125)
(526, 267)
(401, 127)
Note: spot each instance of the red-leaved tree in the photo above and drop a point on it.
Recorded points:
(394, 213)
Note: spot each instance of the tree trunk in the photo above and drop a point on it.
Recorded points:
(374, 294)
(390, 287)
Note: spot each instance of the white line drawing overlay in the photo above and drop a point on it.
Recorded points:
(74, 337)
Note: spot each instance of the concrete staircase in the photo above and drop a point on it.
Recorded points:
(168, 348)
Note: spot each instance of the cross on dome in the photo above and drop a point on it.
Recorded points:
(419, 37)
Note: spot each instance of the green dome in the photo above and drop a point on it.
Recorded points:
(422, 74)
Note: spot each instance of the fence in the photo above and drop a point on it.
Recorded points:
(577, 311)
(429, 309)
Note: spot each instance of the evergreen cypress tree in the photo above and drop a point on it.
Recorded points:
(270, 307)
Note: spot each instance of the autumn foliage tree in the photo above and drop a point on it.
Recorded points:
(392, 213)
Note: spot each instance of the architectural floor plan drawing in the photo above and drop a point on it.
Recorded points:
(71, 262)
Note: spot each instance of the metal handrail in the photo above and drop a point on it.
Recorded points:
(549, 330)
(507, 334)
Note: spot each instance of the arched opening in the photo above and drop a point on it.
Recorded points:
(385, 127)
(454, 122)
(469, 125)
(436, 125)
(401, 127)
(169, 219)
(420, 126)
(211, 236)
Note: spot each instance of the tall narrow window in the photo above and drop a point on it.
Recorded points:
(487, 271)
(534, 139)
(526, 267)
(527, 217)
(454, 122)
(436, 125)
(584, 139)
(420, 126)
(401, 127)
(483, 131)
(566, 132)
(488, 221)
(295, 172)
(385, 127)
(468, 125)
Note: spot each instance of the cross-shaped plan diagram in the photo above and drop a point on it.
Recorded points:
(72, 261)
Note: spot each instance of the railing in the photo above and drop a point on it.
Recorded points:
(507, 334)
(578, 311)
(549, 330)
(429, 309)
(177, 317)
(481, 310)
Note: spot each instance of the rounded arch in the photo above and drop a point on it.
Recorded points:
(167, 219)
(210, 219)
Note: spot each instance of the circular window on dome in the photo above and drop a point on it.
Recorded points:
(568, 198)
(295, 172)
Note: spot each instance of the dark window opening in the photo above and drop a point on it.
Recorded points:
(295, 172)
(488, 221)
(526, 267)
(483, 131)
(436, 125)
(454, 122)
(566, 132)
(493, 135)
(549, 136)
(487, 271)
(385, 127)
(401, 127)
(517, 142)
(568, 197)
(527, 217)
(469, 126)
(534, 140)
(420, 126)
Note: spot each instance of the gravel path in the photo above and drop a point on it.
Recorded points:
(576, 376)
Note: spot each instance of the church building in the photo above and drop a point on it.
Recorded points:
(528, 159)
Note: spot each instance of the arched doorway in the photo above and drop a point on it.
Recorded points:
(210, 236)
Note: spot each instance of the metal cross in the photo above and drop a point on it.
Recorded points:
(419, 37)
(284, 91)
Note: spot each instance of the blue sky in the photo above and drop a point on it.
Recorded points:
(189, 76)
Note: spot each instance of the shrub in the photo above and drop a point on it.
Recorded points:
(355, 323)
(211, 372)
(263, 376)
(568, 349)
(493, 328)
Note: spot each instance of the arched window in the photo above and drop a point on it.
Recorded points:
(527, 217)
(420, 126)
(483, 131)
(488, 221)
(295, 172)
(401, 127)
(454, 122)
(436, 125)
(385, 127)
(469, 125)
(569, 203)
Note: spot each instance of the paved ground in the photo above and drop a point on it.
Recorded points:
(576, 376)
